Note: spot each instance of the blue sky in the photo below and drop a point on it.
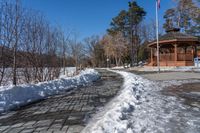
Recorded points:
(88, 17)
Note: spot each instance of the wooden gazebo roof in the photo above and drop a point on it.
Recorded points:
(174, 36)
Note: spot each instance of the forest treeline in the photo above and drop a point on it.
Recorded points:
(29, 41)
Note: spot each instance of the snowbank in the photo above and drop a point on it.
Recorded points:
(113, 118)
(140, 107)
(14, 96)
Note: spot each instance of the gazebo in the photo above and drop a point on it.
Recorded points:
(175, 49)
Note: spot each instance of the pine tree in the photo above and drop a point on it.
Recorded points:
(184, 16)
(136, 15)
(127, 22)
(119, 23)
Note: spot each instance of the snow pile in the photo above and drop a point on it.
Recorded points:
(114, 117)
(140, 107)
(14, 96)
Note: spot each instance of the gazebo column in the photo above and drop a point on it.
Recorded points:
(152, 56)
(195, 51)
(175, 54)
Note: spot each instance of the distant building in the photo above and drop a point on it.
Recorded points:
(176, 49)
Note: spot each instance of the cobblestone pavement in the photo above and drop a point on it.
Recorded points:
(65, 113)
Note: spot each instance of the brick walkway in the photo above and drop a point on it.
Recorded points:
(68, 112)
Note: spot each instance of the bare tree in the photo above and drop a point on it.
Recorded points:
(120, 48)
(33, 48)
(65, 45)
(9, 25)
(77, 52)
(17, 31)
(92, 50)
(115, 47)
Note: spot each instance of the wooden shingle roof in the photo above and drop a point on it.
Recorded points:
(175, 36)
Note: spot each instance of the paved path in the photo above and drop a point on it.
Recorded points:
(68, 112)
(171, 76)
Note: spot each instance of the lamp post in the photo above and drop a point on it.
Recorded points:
(107, 60)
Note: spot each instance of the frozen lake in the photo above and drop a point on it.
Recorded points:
(7, 80)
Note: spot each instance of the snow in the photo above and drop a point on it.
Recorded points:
(140, 107)
(14, 96)
(118, 67)
(69, 71)
(195, 93)
(7, 79)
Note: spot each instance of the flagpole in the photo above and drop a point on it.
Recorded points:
(157, 38)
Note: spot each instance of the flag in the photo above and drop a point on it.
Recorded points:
(158, 3)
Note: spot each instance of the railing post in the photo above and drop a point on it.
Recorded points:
(195, 51)
(152, 56)
(175, 54)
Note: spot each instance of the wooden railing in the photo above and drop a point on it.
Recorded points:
(185, 57)
(171, 57)
(167, 57)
